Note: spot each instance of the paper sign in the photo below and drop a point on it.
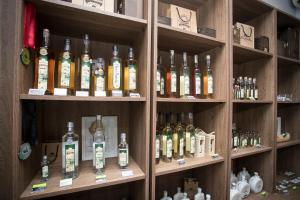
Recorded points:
(82, 93)
(60, 91)
(65, 182)
(127, 173)
(36, 91)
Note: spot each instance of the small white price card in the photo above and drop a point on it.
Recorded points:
(101, 178)
(127, 173)
(36, 91)
(82, 93)
(134, 95)
(65, 182)
(100, 94)
(117, 93)
(60, 91)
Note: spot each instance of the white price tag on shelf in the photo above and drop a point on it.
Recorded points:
(65, 182)
(38, 92)
(134, 95)
(117, 93)
(82, 93)
(60, 91)
(100, 94)
(101, 178)
(127, 173)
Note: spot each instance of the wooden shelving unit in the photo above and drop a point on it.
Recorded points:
(275, 74)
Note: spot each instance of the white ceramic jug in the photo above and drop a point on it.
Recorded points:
(256, 183)
(234, 193)
(243, 187)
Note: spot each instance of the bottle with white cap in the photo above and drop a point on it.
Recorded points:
(199, 195)
(70, 153)
(123, 152)
(178, 195)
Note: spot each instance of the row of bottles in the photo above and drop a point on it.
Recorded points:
(245, 138)
(242, 184)
(184, 81)
(177, 138)
(91, 76)
(70, 152)
(245, 88)
(184, 196)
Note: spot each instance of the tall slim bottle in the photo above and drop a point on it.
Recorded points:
(115, 72)
(85, 73)
(123, 154)
(178, 139)
(70, 153)
(99, 147)
(99, 77)
(185, 82)
(66, 69)
(167, 141)
(172, 77)
(130, 74)
(196, 79)
(208, 88)
(44, 66)
(190, 137)
(160, 78)
(157, 140)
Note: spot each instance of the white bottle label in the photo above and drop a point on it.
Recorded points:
(210, 85)
(162, 86)
(192, 144)
(123, 157)
(131, 78)
(242, 93)
(173, 81)
(256, 94)
(85, 76)
(197, 84)
(45, 171)
(98, 151)
(116, 75)
(70, 156)
(65, 74)
(100, 83)
(235, 141)
(43, 74)
(186, 85)
(157, 143)
(181, 146)
(157, 81)
(169, 148)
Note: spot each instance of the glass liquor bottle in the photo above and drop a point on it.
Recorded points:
(45, 169)
(255, 89)
(249, 86)
(44, 66)
(99, 147)
(157, 140)
(123, 154)
(172, 77)
(70, 153)
(178, 140)
(244, 140)
(235, 137)
(245, 87)
(208, 88)
(185, 78)
(238, 89)
(167, 141)
(242, 88)
(234, 88)
(130, 74)
(161, 127)
(66, 69)
(196, 79)
(160, 78)
(85, 66)
(115, 74)
(99, 78)
(190, 137)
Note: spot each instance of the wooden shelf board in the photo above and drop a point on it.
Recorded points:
(75, 98)
(243, 54)
(100, 25)
(281, 145)
(288, 102)
(180, 40)
(249, 151)
(166, 168)
(85, 181)
(252, 101)
(186, 100)
(282, 60)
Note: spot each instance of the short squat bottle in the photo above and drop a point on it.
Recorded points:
(123, 152)
(45, 169)
(70, 153)
(99, 147)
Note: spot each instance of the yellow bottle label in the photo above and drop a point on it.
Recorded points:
(175, 142)
(164, 145)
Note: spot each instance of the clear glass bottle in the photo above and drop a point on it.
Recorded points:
(199, 195)
(160, 78)
(44, 66)
(234, 89)
(196, 79)
(115, 71)
(242, 88)
(99, 76)
(249, 88)
(178, 140)
(99, 147)
(172, 77)
(123, 154)
(235, 137)
(208, 82)
(245, 87)
(45, 169)
(255, 89)
(130, 74)
(185, 82)
(157, 140)
(167, 141)
(178, 195)
(185, 197)
(66, 69)
(190, 137)
(70, 153)
(85, 67)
